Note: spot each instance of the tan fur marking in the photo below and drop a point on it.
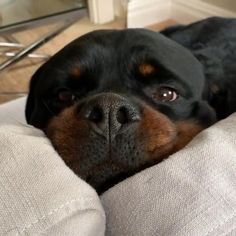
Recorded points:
(61, 131)
(164, 137)
(146, 69)
(76, 72)
(187, 130)
(157, 132)
(214, 88)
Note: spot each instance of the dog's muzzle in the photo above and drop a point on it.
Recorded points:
(108, 137)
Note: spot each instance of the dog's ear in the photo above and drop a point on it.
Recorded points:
(217, 98)
(171, 30)
(220, 82)
(222, 96)
(31, 99)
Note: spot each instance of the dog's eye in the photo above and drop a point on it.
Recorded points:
(165, 94)
(65, 95)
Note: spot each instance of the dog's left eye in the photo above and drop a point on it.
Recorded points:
(165, 94)
(65, 95)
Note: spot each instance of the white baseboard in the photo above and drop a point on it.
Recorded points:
(141, 13)
(101, 11)
(120, 8)
(192, 10)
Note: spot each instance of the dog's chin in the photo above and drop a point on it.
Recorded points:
(106, 177)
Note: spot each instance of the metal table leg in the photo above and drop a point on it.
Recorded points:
(31, 55)
(25, 51)
(10, 38)
(11, 45)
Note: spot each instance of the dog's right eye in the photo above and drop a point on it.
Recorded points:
(65, 96)
(165, 94)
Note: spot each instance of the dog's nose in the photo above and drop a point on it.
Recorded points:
(109, 114)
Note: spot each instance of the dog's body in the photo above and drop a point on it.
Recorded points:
(115, 102)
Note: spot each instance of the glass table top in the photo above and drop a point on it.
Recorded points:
(15, 12)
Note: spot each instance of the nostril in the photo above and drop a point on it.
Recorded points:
(122, 115)
(95, 115)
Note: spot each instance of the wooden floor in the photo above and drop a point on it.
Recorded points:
(16, 79)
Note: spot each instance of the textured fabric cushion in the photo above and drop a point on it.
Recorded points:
(39, 194)
(13, 112)
(191, 193)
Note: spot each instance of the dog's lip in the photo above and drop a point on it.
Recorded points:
(99, 177)
(103, 166)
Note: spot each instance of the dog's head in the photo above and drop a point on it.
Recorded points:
(114, 102)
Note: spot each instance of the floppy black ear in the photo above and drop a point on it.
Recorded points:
(222, 93)
(171, 29)
(30, 103)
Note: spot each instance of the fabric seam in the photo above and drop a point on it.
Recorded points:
(53, 211)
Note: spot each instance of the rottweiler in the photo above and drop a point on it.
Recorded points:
(114, 102)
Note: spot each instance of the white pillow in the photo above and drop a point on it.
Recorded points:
(13, 112)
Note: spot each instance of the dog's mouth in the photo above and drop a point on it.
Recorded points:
(106, 175)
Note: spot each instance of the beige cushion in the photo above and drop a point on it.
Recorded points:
(38, 193)
(191, 193)
(13, 112)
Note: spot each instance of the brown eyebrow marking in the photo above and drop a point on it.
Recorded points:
(76, 72)
(146, 69)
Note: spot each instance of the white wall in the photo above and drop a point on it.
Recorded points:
(141, 13)
(147, 12)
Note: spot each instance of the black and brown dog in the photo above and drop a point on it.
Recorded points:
(114, 102)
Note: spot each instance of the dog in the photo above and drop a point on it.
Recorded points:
(114, 102)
